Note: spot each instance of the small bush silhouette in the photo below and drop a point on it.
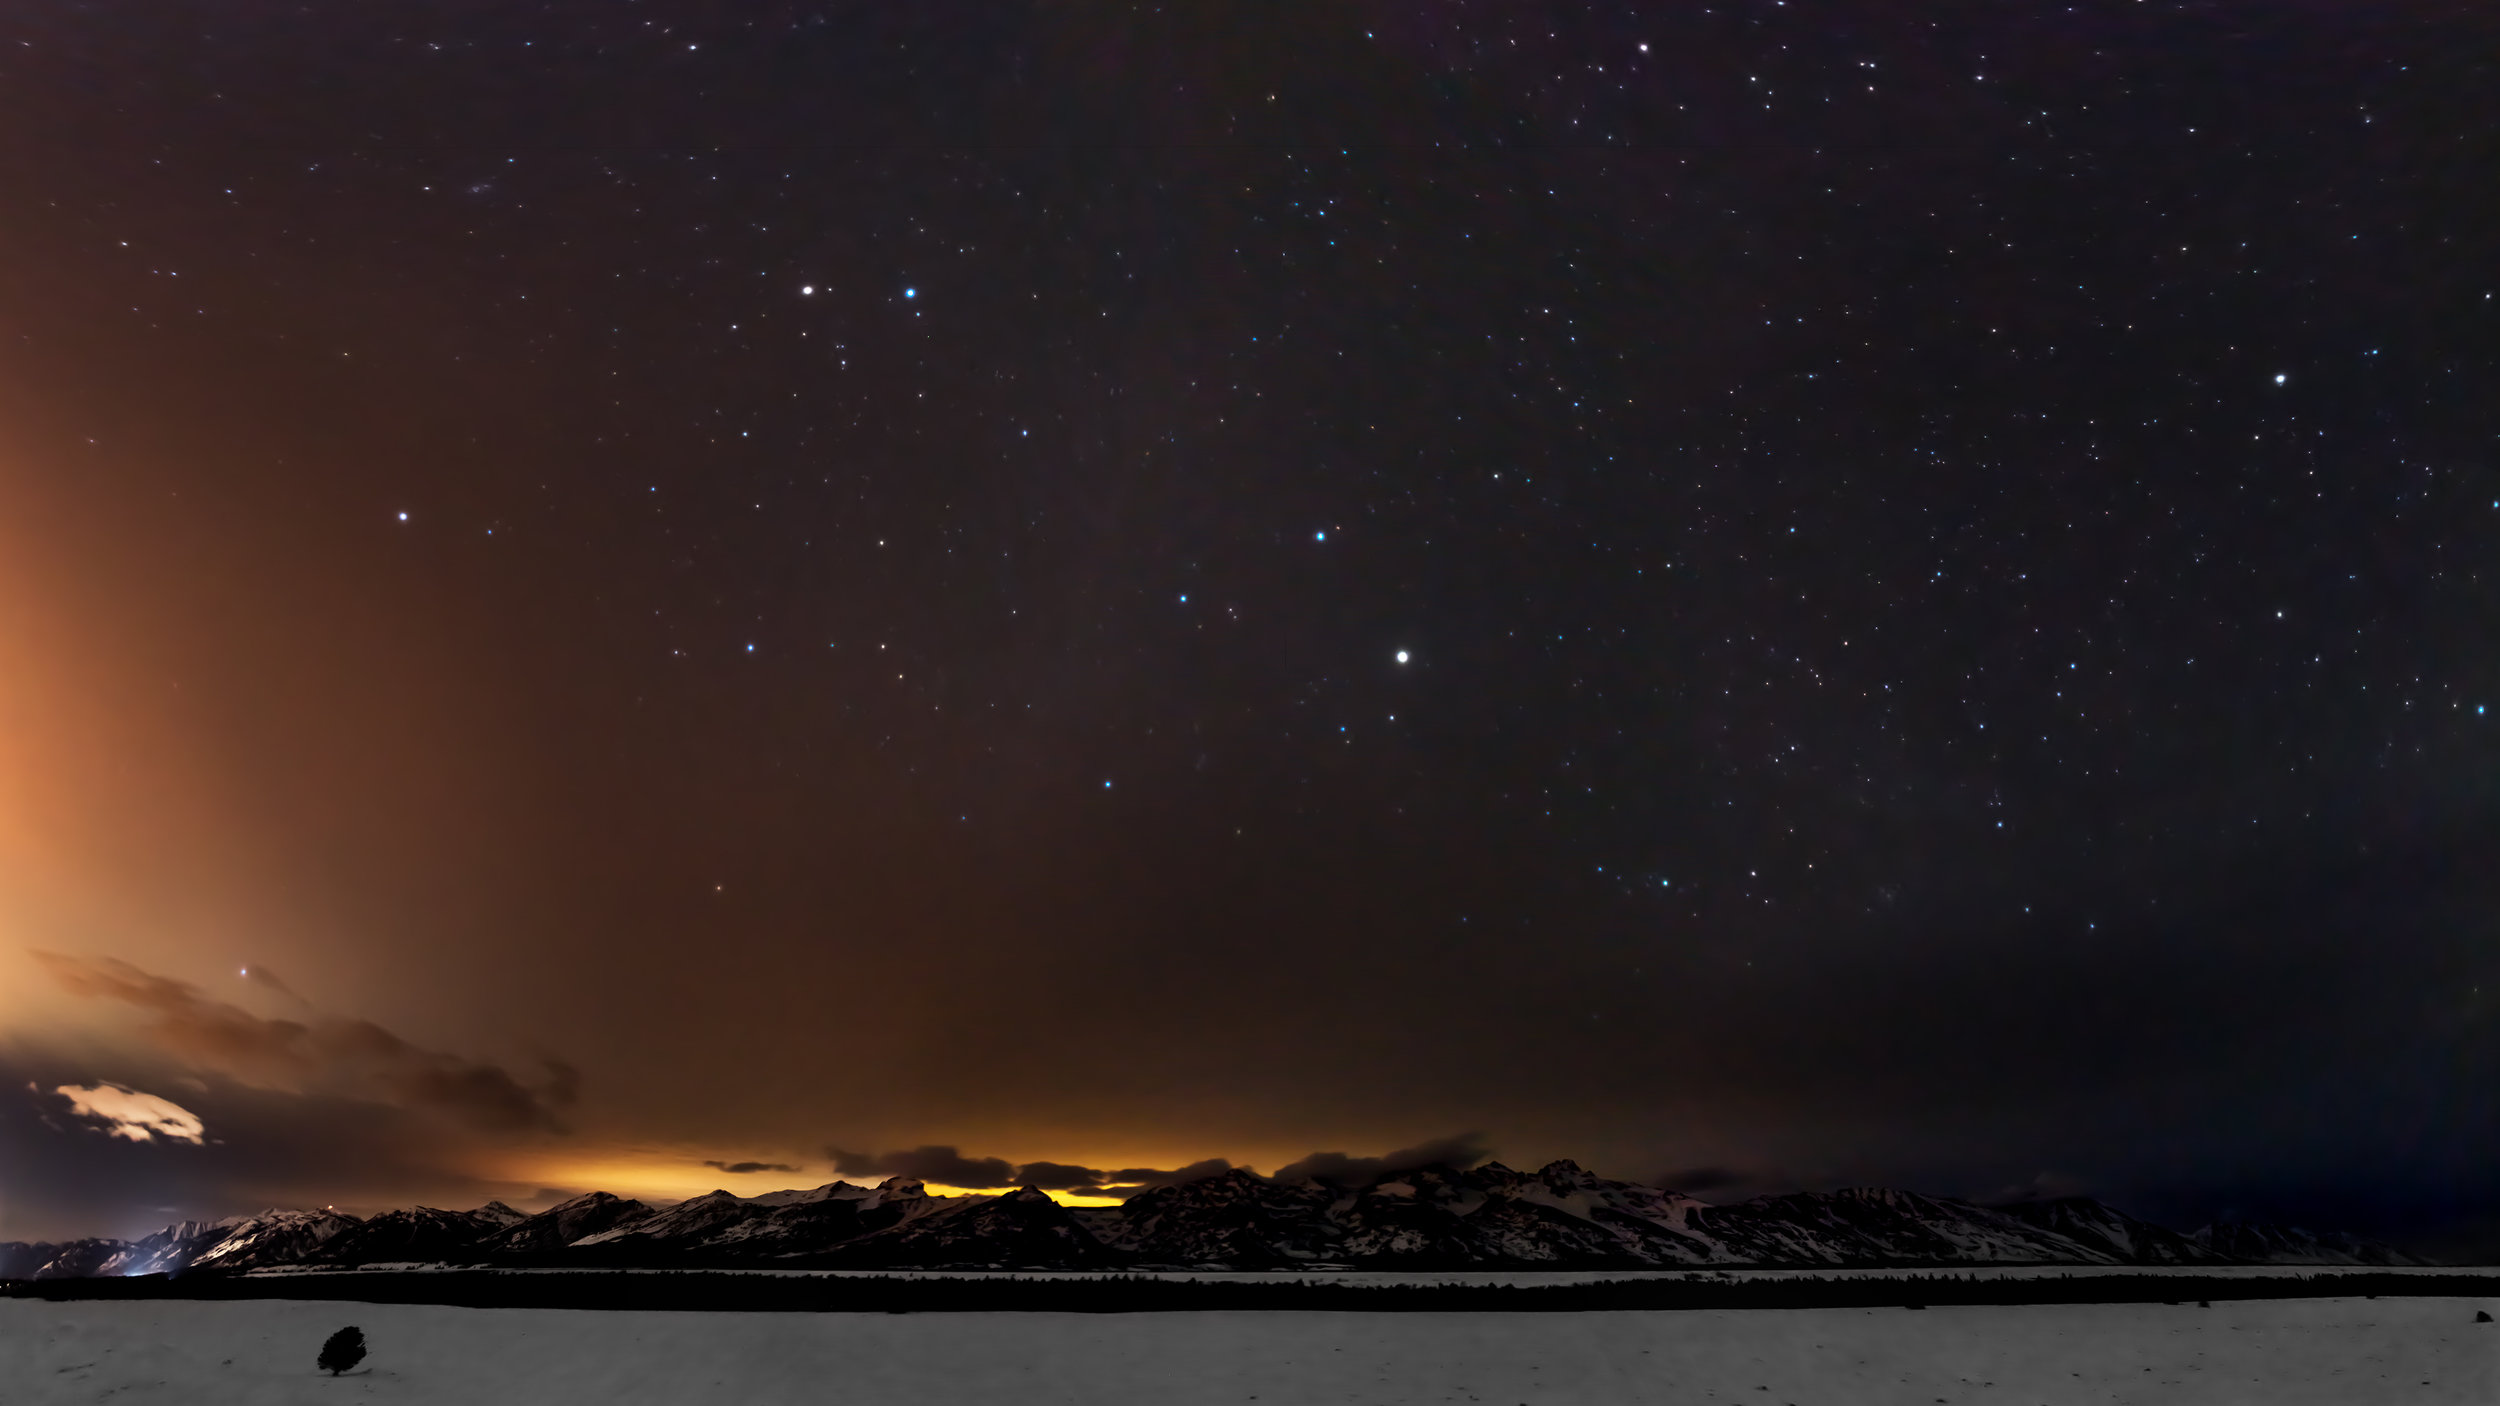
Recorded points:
(345, 1349)
(2481, 1316)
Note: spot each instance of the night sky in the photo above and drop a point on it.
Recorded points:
(1760, 595)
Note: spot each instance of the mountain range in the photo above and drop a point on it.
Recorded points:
(1430, 1218)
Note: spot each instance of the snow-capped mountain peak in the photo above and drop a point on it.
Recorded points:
(273, 1237)
(1443, 1217)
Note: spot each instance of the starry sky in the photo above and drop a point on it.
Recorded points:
(1763, 595)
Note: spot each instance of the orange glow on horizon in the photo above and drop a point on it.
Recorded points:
(658, 1176)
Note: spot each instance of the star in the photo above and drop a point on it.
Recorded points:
(1401, 656)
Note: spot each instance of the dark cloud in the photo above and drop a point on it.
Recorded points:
(2044, 1186)
(1129, 1181)
(260, 975)
(563, 1085)
(739, 1169)
(1058, 1176)
(356, 1058)
(947, 1165)
(1342, 1169)
(265, 1147)
(934, 1163)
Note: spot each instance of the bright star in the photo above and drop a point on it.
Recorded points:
(403, 517)
(1316, 536)
(2279, 378)
(806, 289)
(911, 292)
(1401, 656)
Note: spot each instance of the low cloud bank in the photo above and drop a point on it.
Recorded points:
(1342, 1169)
(947, 1165)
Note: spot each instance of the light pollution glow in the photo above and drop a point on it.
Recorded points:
(659, 1176)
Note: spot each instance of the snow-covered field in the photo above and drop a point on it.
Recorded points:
(1523, 1278)
(2277, 1353)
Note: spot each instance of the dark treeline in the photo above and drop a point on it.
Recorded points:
(1150, 1294)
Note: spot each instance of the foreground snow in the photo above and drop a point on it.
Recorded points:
(2282, 1353)
(1523, 1278)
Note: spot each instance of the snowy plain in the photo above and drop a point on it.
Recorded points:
(2287, 1352)
(1524, 1278)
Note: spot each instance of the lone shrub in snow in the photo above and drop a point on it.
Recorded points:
(345, 1349)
